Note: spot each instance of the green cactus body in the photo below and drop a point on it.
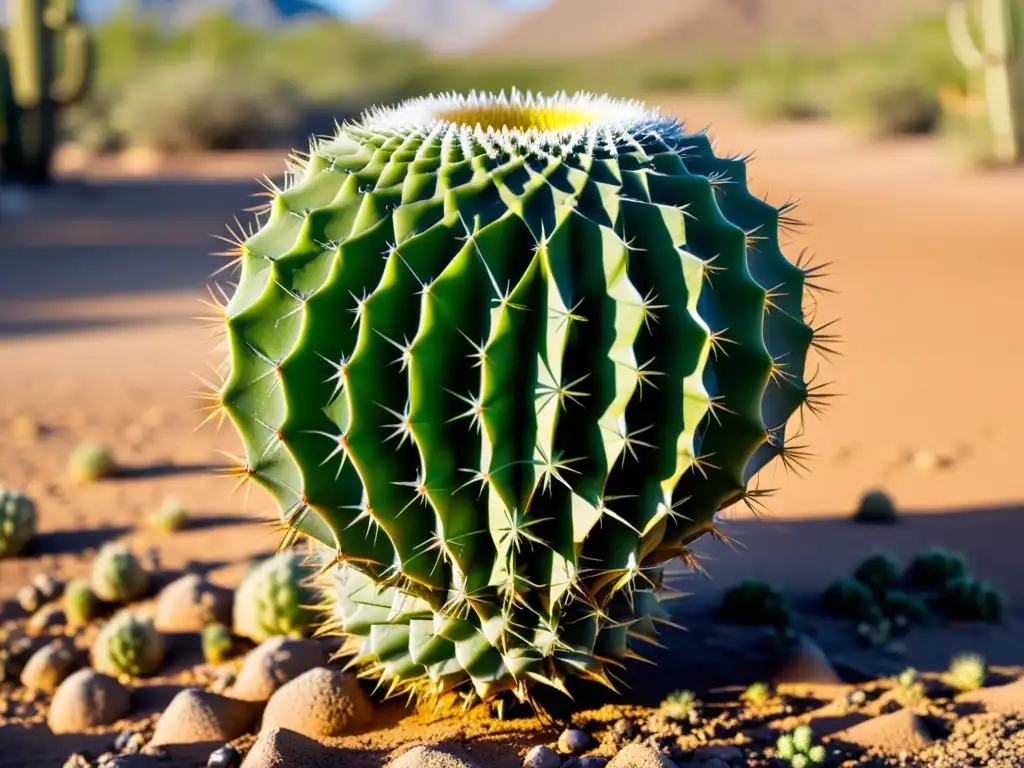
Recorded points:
(217, 643)
(506, 358)
(79, 603)
(50, 63)
(275, 599)
(996, 63)
(128, 645)
(117, 574)
(17, 522)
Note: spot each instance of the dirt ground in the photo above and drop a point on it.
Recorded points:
(99, 283)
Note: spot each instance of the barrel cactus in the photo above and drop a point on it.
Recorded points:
(275, 599)
(505, 358)
(117, 574)
(128, 645)
(17, 522)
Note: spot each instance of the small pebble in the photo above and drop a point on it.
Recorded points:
(622, 732)
(542, 757)
(77, 761)
(48, 587)
(29, 598)
(225, 757)
(574, 741)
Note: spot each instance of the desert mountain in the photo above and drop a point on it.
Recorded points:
(602, 27)
(444, 26)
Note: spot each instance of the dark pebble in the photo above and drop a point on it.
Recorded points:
(225, 757)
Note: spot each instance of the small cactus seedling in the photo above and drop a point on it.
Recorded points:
(275, 599)
(911, 687)
(117, 574)
(91, 462)
(681, 706)
(850, 599)
(879, 573)
(753, 602)
(967, 599)
(876, 507)
(172, 515)
(757, 695)
(80, 605)
(932, 569)
(797, 748)
(128, 645)
(17, 522)
(967, 672)
(218, 643)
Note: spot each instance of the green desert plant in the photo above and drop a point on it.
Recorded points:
(967, 672)
(172, 515)
(681, 706)
(117, 574)
(80, 604)
(897, 604)
(17, 522)
(798, 748)
(218, 643)
(46, 67)
(90, 462)
(879, 573)
(932, 569)
(911, 688)
(753, 602)
(581, 343)
(876, 507)
(850, 599)
(757, 694)
(128, 645)
(275, 599)
(966, 599)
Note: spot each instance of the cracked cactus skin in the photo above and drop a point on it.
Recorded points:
(17, 522)
(504, 359)
(275, 599)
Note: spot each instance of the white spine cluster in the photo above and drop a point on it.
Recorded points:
(614, 123)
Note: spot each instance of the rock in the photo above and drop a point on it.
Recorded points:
(574, 741)
(47, 617)
(281, 748)
(47, 586)
(196, 716)
(999, 699)
(49, 667)
(190, 603)
(129, 742)
(901, 731)
(272, 664)
(805, 664)
(28, 598)
(77, 760)
(319, 703)
(432, 757)
(623, 732)
(542, 757)
(87, 699)
(723, 752)
(225, 757)
(640, 756)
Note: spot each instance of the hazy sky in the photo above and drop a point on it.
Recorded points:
(362, 7)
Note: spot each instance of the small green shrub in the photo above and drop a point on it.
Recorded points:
(932, 569)
(128, 645)
(757, 695)
(91, 462)
(850, 599)
(682, 706)
(753, 602)
(966, 599)
(118, 576)
(876, 507)
(879, 573)
(797, 748)
(967, 672)
(172, 515)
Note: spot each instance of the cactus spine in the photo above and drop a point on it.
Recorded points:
(505, 358)
(50, 57)
(997, 67)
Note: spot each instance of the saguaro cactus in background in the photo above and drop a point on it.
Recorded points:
(505, 359)
(50, 54)
(997, 67)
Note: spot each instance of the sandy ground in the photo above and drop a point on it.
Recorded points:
(98, 294)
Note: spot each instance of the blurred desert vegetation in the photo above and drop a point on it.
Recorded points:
(219, 84)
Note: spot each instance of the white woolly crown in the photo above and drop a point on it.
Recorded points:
(580, 122)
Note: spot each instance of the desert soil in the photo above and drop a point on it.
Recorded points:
(98, 342)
